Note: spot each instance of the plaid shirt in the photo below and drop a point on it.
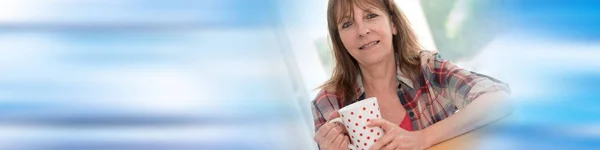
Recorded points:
(441, 90)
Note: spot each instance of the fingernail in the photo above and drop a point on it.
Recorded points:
(368, 123)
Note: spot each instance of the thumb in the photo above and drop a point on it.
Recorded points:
(340, 126)
(333, 115)
(384, 124)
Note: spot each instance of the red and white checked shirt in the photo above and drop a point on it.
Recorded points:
(441, 90)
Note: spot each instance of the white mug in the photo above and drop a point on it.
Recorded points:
(354, 117)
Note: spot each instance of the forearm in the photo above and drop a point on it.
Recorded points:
(485, 109)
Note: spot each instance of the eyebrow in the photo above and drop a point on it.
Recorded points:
(343, 19)
(370, 10)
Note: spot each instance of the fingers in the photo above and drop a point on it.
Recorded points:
(333, 114)
(389, 143)
(338, 140)
(393, 144)
(326, 134)
(344, 144)
(339, 126)
(387, 138)
(322, 132)
(331, 135)
(384, 124)
(335, 142)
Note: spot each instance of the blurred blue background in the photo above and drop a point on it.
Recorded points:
(138, 74)
(234, 74)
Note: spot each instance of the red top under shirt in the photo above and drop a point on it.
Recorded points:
(406, 124)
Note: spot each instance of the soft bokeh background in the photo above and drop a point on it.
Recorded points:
(238, 74)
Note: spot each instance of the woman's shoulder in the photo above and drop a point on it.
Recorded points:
(326, 93)
(430, 59)
(328, 96)
(428, 55)
(325, 103)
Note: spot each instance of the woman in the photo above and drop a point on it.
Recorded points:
(419, 93)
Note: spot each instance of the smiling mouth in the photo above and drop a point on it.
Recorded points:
(368, 45)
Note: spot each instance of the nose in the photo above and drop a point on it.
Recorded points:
(362, 28)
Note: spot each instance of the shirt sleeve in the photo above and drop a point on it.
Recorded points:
(322, 106)
(460, 85)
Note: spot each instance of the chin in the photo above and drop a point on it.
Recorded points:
(372, 59)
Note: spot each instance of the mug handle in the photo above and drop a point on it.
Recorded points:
(338, 119)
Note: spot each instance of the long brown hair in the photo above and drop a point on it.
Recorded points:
(346, 70)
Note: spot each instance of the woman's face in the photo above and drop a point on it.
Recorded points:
(367, 35)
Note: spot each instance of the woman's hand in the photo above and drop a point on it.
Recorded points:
(331, 135)
(396, 138)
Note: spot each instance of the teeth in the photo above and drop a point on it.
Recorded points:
(369, 45)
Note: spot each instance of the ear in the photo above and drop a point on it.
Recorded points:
(394, 29)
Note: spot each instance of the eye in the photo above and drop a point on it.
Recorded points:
(346, 24)
(371, 15)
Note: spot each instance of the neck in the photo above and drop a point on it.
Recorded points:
(381, 77)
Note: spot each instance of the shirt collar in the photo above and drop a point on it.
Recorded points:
(400, 77)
